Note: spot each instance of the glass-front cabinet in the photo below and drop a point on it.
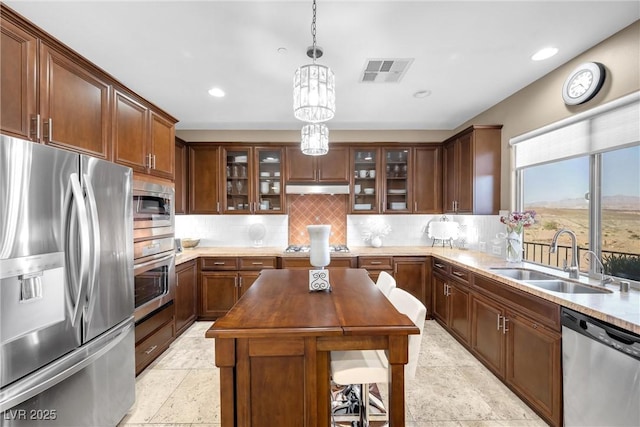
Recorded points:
(270, 190)
(253, 180)
(397, 185)
(365, 195)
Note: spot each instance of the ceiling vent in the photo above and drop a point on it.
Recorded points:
(385, 70)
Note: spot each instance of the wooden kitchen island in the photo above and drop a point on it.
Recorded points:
(273, 347)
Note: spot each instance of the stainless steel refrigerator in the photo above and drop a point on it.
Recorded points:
(66, 288)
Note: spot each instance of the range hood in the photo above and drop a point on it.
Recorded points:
(317, 189)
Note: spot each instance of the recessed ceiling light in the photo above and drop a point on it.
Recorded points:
(217, 92)
(544, 53)
(422, 94)
(282, 50)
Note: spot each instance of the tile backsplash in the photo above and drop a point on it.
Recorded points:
(479, 232)
(317, 209)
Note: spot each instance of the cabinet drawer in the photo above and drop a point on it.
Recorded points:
(295, 262)
(156, 320)
(256, 263)
(459, 274)
(441, 266)
(376, 263)
(219, 263)
(153, 346)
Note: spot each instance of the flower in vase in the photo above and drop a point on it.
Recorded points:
(517, 221)
(374, 229)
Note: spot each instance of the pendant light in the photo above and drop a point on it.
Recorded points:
(315, 139)
(314, 98)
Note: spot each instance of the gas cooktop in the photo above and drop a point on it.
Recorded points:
(305, 248)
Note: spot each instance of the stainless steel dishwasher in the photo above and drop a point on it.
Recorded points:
(601, 373)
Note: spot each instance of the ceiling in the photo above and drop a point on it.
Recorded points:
(469, 55)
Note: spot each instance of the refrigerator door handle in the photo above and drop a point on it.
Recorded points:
(74, 204)
(94, 223)
(63, 368)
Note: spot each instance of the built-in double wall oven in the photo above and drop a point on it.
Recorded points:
(153, 247)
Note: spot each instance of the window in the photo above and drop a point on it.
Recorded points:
(583, 174)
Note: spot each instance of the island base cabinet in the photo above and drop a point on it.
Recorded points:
(533, 366)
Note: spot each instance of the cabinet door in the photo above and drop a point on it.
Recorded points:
(237, 189)
(218, 293)
(161, 146)
(186, 296)
(268, 181)
(427, 180)
(18, 50)
(334, 166)
(450, 179)
(246, 279)
(182, 160)
(459, 311)
(440, 299)
(74, 105)
(487, 337)
(203, 179)
(300, 167)
(397, 186)
(410, 274)
(464, 172)
(130, 132)
(365, 195)
(533, 365)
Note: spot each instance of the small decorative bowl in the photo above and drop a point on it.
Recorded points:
(368, 191)
(190, 243)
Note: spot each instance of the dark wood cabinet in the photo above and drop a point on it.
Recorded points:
(427, 180)
(375, 265)
(74, 105)
(181, 176)
(517, 336)
(411, 275)
(142, 139)
(471, 170)
(304, 262)
(186, 296)
(153, 335)
(203, 179)
(333, 167)
(451, 299)
(18, 70)
(223, 281)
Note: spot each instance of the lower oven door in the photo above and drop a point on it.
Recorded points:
(154, 283)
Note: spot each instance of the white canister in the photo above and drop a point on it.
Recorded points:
(276, 187)
(264, 187)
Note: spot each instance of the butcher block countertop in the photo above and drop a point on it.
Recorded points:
(620, 309)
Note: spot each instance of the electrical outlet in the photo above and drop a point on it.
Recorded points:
(482, 246)
(497, 250)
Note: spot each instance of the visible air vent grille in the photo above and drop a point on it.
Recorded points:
(385, 70)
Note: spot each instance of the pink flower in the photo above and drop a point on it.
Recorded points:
(516, 221)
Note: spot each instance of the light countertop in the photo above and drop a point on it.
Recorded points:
(620, 309)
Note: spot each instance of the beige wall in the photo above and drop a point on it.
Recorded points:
(536, 105)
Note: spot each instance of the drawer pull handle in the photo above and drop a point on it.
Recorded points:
(439, 265)
(256, 263)
(151, 349)
(457, 273)
(375, 262)
(219, 263)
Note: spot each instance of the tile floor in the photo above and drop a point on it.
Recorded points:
(451, 388)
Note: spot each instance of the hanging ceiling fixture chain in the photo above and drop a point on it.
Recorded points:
(313, 30)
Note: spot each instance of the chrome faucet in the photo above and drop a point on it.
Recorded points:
(574, 269)
(603, 277)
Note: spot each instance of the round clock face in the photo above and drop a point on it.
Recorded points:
(583, 83)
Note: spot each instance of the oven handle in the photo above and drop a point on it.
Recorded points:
(146, 266)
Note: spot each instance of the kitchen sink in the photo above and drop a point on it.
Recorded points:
(566, 287)
(523, 274)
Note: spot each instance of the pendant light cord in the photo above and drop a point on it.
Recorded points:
(313, 31)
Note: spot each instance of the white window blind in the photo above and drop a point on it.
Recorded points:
(609, 126)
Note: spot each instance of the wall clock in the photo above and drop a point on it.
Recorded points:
(583, 83)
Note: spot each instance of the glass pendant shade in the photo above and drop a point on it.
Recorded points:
(314, 93)
(315, 139)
